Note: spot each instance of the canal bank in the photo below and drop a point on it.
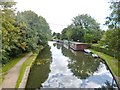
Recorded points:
(112, 63)
(25, 69)
(61, 67)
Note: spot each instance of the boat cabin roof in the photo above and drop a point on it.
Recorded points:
(78, 43)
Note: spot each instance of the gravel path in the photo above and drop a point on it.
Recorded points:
(13, 74)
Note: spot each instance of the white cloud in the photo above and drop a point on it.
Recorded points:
(60, 12)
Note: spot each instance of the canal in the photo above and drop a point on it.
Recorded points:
(60, 67)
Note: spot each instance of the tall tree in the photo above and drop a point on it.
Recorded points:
(112, 36)
(37, 29)
(21, 32)
(10, 32)
(82, 28)
(58, 35)
(63, 34)
(85, 21)
(113, 20)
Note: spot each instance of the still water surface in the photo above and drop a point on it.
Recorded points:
(60, 67)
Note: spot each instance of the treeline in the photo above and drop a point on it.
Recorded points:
(86, 29)
(21, 31)
(83, 28)
(111, 38)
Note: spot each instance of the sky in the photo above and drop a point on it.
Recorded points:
(59, 13)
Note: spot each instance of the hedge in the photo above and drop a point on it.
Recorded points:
(105, 50)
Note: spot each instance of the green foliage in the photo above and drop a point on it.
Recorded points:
(37, 30)
(113, 63)
(105, 50)
(84, 29)
(80, 65)
(85, 21)
(21, 32)
(69, 32)
(63, 35)
(56, 35)
(40, 69)
(78, 34)
(9, 65)
(88, 38)
(113, 20)
(10, 32)
(111, 38)
(26, 64)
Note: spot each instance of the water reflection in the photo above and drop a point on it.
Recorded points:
(80, 64)
(58, 45)
(40, 70)
(108, 86)
(60, 67)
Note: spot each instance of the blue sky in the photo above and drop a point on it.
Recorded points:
(59, 13)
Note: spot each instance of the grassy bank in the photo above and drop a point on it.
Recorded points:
(12, 63)
(113, 64)
(111, 61)
(8, 66)
(27, 63)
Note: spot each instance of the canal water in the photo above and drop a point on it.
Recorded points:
(57, 66)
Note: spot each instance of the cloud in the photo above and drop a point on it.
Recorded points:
(60, 12)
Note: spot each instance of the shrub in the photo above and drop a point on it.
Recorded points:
(105, 50)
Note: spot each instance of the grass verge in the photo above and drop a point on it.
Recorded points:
(8, 66)
(27, 63)
(111, 61)
(113, 64)
(1, 79)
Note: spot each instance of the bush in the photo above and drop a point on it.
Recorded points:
(105, 50)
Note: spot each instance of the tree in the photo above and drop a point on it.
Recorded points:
(111, 39)
(37, 29)
(113, 20)
(10, 32)
(86, 25)
(63, 34)
(45, 28)
(85, 21)
(88, 38)
(82, 27)
(112, 36)
(67, 33)
(54, 34)
(58, 35)
(21, 32)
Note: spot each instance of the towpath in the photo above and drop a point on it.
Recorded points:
(13, 74)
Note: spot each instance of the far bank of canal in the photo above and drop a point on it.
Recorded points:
(60, 67)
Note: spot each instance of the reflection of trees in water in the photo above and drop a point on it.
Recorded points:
(54, 44)
(40, 70)
(107, 86)
(80, 64)
(57, 44)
